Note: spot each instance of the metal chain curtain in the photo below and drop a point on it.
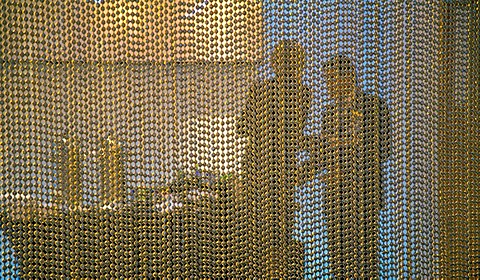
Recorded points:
(239, 139)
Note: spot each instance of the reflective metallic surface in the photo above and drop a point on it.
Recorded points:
(239, 139)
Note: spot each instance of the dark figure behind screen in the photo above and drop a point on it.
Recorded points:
(272, 125)
(354, 136)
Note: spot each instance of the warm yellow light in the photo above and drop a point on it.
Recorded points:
(191, 30)
(148, 30)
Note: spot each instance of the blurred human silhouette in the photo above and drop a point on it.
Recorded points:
(272, 123)
(353, 133)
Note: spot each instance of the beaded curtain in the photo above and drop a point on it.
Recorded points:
(239, 139)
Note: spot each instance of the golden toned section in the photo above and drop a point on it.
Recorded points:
(113, 192)
(271, 125)
(70, 174)
(350, 133)
(459, 197)
(123, 30)
(149, 139)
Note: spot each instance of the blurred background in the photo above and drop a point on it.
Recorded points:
(120, 151)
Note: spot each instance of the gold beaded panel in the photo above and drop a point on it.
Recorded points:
(246, 139)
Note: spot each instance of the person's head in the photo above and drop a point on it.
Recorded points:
(288, 59)
(339, 74)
